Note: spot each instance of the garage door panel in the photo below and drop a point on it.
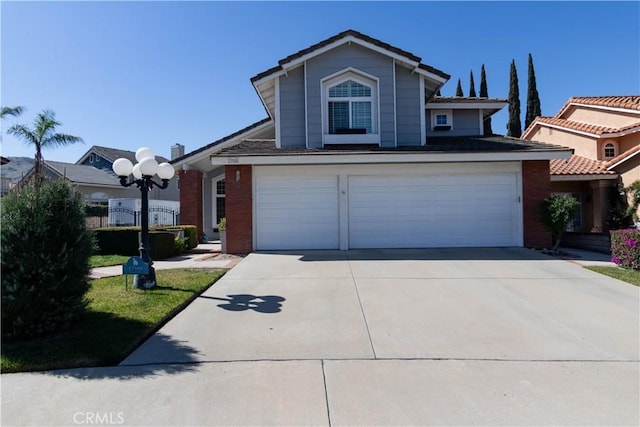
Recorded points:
(297, 213)
(432, 211)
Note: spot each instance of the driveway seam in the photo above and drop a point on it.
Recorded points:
(366, 323)
(326, 393)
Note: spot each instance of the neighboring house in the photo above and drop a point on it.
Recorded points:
(12, 172)
(357, 152)
(604, 132)
(103, 158)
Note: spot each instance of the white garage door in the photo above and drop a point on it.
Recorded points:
(433, 211)
(297, 213)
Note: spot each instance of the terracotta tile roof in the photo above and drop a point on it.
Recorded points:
(578, 165)
(622, 156)
(579, 126)
(360, 36)
(630, 102)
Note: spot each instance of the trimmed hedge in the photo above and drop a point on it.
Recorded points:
(126, 241)
(625, 248)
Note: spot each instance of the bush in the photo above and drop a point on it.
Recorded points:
(163, 245)
(190, 233)
(118, 241)
(625, 248)
(556, 213)
(45, 260)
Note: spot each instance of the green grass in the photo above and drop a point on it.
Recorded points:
(107, 260)
(116, 322)
(624, 274)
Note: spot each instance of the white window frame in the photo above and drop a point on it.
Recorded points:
(434, 116)
(358, 77)
(606, 145)
(214, 199)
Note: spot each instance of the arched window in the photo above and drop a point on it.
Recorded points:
(609, 150)
(350, 108)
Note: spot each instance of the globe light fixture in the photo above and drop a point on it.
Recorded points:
(143, 173)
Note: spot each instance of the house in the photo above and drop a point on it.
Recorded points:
(604, 132)
(358, 152)
(103, 157)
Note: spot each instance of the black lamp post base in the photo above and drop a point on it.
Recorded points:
(145, 281)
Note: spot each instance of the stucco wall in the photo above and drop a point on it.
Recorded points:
(614, 119)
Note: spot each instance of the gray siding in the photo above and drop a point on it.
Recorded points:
(465, 123)
(361, 59)
(292, 128)
(407, 107)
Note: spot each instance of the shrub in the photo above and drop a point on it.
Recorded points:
(190, 233)
(625, 248)
(45, 259)
(163, 245)
(118, 241)
(555, 214)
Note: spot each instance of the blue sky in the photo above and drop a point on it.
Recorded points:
(132, 74)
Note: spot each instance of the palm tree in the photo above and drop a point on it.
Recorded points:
(43, 135)
(11, 111)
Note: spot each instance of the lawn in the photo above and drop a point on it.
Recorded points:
(107, 260)
(116, 322)
(624, 274)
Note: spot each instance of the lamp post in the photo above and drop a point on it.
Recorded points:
(143, 173)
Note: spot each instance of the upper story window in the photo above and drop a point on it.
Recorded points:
(609, 150)
(441, 120)
(350, 109)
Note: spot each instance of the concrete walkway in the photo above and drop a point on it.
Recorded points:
(381, 337)
(205, 255)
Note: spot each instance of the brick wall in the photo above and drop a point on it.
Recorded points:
(238, 199)
(191, 199)
(536, 186)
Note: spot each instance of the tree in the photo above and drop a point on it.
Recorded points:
(459, 89)
(533, 100)
(484, 93)
(556, 212)
(514, 125)
(472, 86)
(11, 111)
(45, 259)
(43, 135)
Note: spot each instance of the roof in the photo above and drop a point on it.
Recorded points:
(578, 165)
(465, 100)
(623, 157)
(17, 168)
(596, 130)
(342, 35)
(84, 174)
(112, 154)
(220, 141)
(267, 147)
(628, 102)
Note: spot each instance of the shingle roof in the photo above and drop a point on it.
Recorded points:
(355, 34)
(464, 99)
(578, 165)
(113, 153)
(17, 168)
(82, 174)
(267, 147)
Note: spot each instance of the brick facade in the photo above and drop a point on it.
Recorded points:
(191, 199)
(536, 186)
(239, 208)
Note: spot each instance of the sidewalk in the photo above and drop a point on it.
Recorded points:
(205, 255)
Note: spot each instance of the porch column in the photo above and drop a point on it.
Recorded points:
(599, 190)
(191, 199)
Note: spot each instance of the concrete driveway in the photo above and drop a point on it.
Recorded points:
(377, 337)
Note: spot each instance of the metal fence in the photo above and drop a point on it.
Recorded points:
(123, 217)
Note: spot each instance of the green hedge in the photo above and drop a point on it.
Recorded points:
(126, 241)
(190, 233)
(118, 240)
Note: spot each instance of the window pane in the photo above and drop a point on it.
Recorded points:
(340, 91)
(361, 115)
(220, 187)
(338, 116)
(220, 204)
(441, 119)
(358, 89)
